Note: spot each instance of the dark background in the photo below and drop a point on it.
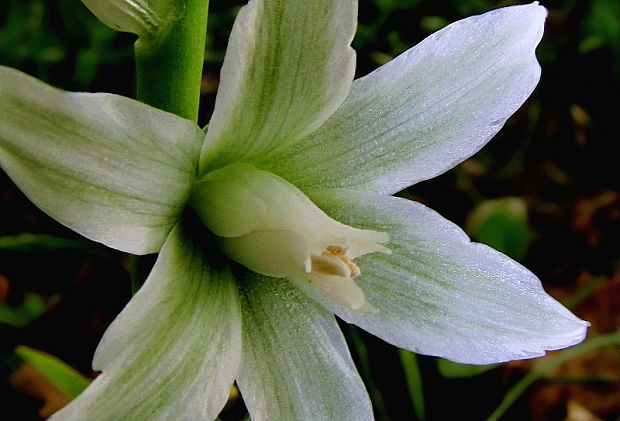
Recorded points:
(544, 191)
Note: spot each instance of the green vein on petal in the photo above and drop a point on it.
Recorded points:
(288, 66)
(425, 111)
(112, 169)
(175, 349)
(296, 365)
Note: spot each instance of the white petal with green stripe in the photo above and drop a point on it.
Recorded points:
(174, 351)
(141, 17)
(425, 111)
(288, 66)
(272, 228)
(117, 171)
(440, 294)
(296, 365)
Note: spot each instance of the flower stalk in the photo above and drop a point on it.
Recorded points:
(169, 66)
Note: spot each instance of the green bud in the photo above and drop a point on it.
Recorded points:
(141, 17)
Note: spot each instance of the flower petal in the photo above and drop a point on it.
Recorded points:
(440, 294)
(271, 227)
(141, 17)
(175, 349)
(425, 111)
(295, 365)
(114, 170)
(288, 66)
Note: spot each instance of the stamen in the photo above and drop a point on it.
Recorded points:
(334, 262)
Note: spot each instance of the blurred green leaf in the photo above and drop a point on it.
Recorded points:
(501, 224)
(48, 37)
(584, 292)
(67, 379)
(21, 28)
(549, 364)
(602, 26)
(20, 316)
(452, 370)
(44, 242)
(363, 366)
(433, 23)
(472, 7)
(409, 361)
(391, 5)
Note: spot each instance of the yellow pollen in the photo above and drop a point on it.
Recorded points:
(334, 262)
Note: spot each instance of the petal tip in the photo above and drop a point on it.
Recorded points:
(579, 332)
(574, 333)
(534, 10)
(524, 15)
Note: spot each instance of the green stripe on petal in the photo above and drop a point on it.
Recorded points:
(425, 111)
(115, 170)
(440, 294)
(288, 67)
(296, 365)
(272, 228)
(174, 351)
(141, 17)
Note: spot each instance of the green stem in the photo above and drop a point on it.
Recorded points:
(549, 364)
(169, 67)
(411, 368)
(366, 372)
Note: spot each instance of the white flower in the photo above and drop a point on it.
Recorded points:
(295, 150)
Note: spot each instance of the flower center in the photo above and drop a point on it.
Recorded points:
(334, 262)
(271, 227)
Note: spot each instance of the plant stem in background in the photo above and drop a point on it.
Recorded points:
(549, 364)
(413, 376)
(169, 67)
